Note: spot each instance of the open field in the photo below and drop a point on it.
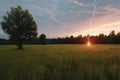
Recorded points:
(60, 62)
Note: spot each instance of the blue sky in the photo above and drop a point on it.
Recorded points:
(61, 18)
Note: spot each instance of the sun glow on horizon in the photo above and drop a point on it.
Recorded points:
(88, 43)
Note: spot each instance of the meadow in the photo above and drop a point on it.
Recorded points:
(60, 62)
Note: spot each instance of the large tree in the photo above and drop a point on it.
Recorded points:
(19, 25)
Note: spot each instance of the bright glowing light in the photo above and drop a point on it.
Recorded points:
(88, 43)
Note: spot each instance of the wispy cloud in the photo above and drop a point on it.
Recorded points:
(80, 13)
(108, 10)
(53, 16)
(79, 3)
(111, 9)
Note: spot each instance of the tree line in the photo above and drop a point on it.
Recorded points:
(111, 38)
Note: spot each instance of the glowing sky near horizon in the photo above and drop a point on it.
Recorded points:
(61, 18)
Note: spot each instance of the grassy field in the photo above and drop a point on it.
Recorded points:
(60, 62)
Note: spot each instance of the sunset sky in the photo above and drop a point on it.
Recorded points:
(61, 18)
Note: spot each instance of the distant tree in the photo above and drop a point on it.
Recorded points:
(102, 38)
(112, 33)
(78, 39)
(111, 37)
(42, 39)
(71, 37)
(19, 25)
(118, 37)
(118, 34)
(79, 36)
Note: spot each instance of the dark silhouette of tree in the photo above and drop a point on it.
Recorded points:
(112, 33)
(118, 38)
(71, 37)
(118, 34)
(19, 25)
(79, 36)
(111, 37)
(79, 39)
(102, 38)
(42, 39)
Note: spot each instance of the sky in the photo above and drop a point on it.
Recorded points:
(61, 18)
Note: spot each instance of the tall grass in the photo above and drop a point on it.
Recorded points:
(60, 62)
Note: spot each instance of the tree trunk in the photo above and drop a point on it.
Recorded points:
(20, 45)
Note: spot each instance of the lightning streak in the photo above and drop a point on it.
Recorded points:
(94, 10)
(91, 19)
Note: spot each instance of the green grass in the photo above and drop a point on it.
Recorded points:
(60, 62)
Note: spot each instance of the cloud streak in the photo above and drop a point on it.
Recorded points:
(79, 3)
(53, 17)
